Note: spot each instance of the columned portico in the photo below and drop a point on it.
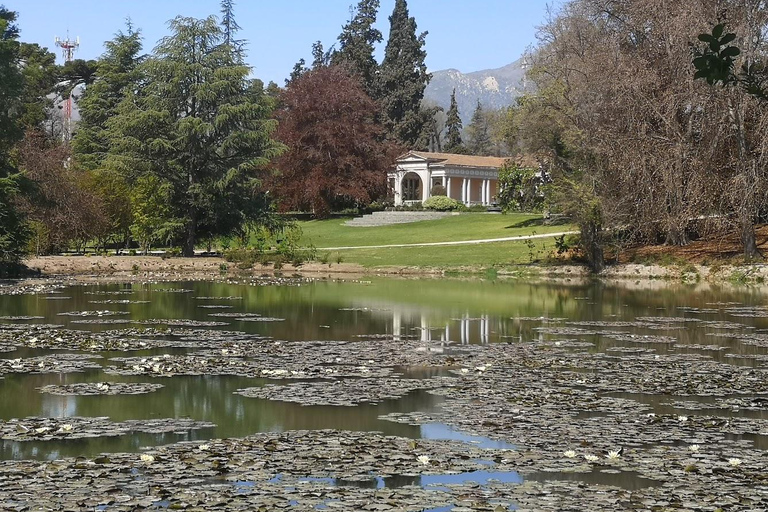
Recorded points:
(477, 176)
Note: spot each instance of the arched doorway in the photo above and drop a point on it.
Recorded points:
(411, 187)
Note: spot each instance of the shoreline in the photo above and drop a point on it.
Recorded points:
(91, 269)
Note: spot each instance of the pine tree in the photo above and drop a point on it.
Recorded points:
(201, 125)
(403, 78)
(479, 138)
(231, 28)
(13, 231)
(117, 74)
(40, 76)
(356, 45)
(453, 126)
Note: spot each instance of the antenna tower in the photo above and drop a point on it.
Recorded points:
(68, 49)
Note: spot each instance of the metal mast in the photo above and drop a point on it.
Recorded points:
(68, 49)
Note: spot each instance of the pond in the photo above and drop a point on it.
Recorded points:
(507, 384)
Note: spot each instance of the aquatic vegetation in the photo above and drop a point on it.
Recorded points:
(570, 454)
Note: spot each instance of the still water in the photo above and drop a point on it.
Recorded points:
(438, 310)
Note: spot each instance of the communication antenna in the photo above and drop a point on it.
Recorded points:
(68, 49)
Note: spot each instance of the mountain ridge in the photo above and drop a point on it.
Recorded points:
(495, 88)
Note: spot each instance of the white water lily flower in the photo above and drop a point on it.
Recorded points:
(42, 430)
(734, 462)
(591, 458)
(66, 427)
(613, 454)
(481, 368)
(682, 419)
(570, 454)
(204, 447)
(156, 368)
(423, 459)
(147, 458)
(693, 448)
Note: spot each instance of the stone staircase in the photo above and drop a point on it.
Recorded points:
(389, 218)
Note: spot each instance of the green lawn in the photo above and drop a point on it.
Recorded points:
(496, 254)
(467, 226)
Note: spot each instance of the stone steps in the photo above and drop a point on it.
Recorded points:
(388, 218)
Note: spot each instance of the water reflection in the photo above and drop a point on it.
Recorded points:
(437, 313)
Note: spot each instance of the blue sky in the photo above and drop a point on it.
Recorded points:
(466, 35)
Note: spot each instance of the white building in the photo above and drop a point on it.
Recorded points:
(469, 179)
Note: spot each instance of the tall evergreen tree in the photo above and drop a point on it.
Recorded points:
(200, 124)
(453, 126)
(13, 232)
(478, 133)
(356, 45)
(231, 28)
(403, 78)
(40, 76)
(116, 74)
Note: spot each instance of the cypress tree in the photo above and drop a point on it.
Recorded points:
(479, 138)
(453, 126)
(356, 45)
(403, 78)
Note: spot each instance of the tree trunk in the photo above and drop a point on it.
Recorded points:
(591, 243)
(749, 241)
(189, 241)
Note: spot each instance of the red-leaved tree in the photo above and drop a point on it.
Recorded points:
(337, 156)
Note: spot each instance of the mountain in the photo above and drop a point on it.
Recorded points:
(495, 88)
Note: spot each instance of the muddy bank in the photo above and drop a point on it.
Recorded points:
(119, 268)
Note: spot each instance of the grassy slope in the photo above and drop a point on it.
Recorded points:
(470, 226)
(333, 233)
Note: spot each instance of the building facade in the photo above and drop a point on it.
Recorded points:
(473, 180)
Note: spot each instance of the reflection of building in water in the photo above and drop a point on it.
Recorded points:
(55, 406)
(465, 329)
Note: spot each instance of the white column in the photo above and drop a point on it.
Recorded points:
(443, 180)
(398, 189)
(465, 191)
(448, 187)
(426, 186)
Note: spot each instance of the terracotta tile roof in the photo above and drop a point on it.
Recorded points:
(454, 160)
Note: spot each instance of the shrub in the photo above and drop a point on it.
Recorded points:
(441, 204)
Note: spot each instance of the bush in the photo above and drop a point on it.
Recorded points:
(442, 204)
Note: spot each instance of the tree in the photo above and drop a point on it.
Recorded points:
(453, 127)
(116, 74)
(13, 232)
(336, 157)
(199, 123)
(716, 63)
(63, 209)
(357, 42)
(38, 67)
(231, 28)
(403, 78)
(153, 221)
(478, 136)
